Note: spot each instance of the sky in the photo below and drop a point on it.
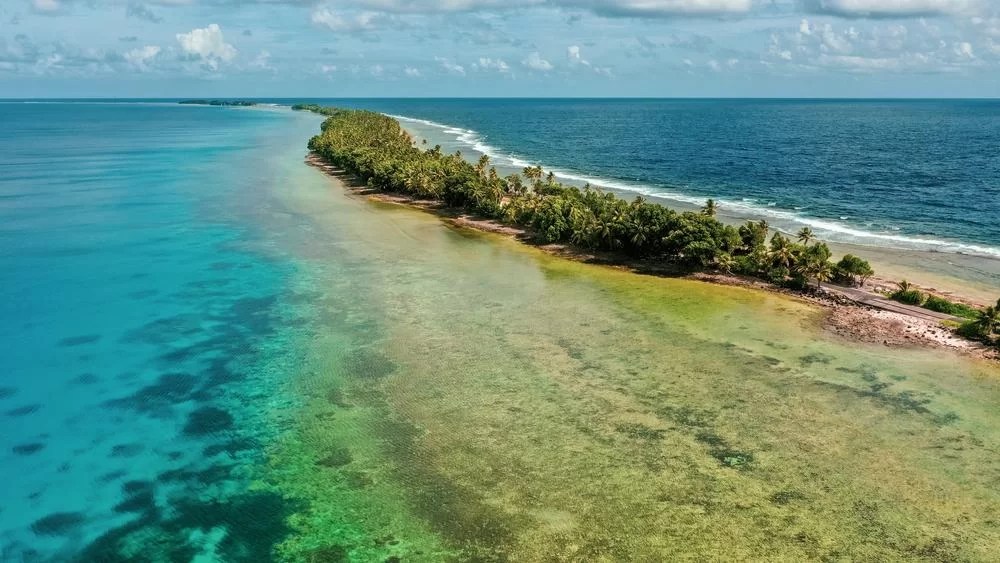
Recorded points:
(563, 48)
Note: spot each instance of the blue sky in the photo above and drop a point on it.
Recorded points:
(334, 48)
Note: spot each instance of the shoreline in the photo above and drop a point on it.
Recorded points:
(844, 318)
(932, 271)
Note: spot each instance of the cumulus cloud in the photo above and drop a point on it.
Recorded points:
(411, 72)
(891, 8)
(534, 61)
(487, 63)
(46, 6)
(208, 45)
(451, 67)
(574, 56)
(335, 21)
(142, 56)
(888, 47)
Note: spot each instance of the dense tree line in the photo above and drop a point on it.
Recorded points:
(375, 148)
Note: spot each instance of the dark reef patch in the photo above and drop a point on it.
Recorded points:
(639, 431)
(815, 358)
(28, 449)
(58, 524)
(204, 477)
(79, 340)
(140, 502)
(7, 392)
(232, 447)
(338, 458)
(112, 476)
(724, 453)
(782, 498)
(24, 411)
(255, 523)
(165, 330)
(127, 450)
(367, 363)
(85, 379)
(208, 420)
(157, 398)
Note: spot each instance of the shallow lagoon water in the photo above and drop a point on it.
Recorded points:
(398, 388)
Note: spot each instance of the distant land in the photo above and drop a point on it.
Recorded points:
(239, 103)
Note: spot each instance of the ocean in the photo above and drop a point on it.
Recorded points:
(908, 174)
(212, 352)
(138, 308)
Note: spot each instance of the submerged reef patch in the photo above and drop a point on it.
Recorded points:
(58, 524)
(208, 420)
(79, 340)
(28, 449)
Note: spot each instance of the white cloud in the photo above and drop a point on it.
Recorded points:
(613, 8)
(208, 44)
(487, 63)
(334, 21)
(327, 69)
(263, 61)
(535, 61)
(964, 49)
(892, 8)
(376, 70)
(140, 57)
(451, 67)
(574, 56)
(48, 6)
(411, 72)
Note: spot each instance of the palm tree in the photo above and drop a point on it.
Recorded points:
(988, 320)
(482, 165)
(725, 262)
(782, 251)
(904, 286)
(806, 236)
(822, 271)
(710, 208)
(533, 173)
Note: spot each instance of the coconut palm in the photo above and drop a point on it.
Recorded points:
(822, 271)
(710, 208)
(806, 236)
(782, 252)
(988, 320)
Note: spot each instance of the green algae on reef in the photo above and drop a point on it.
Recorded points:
(470, 399)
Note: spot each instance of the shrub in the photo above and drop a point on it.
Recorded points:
(941, 305)
(906, 293)
(972, 330)
(909, 297)
(853, 270)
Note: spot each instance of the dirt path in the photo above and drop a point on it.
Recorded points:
(879, 302)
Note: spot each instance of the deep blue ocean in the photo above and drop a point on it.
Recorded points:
(139, 308)
(921, 174)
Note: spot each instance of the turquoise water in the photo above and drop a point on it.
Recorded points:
(918, 174)
(213, 352)
(139, 309)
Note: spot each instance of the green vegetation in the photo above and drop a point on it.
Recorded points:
(375, 148)
(237, 103)
(852, 270)
(906, 293)
(984, 326)
(942, 305)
